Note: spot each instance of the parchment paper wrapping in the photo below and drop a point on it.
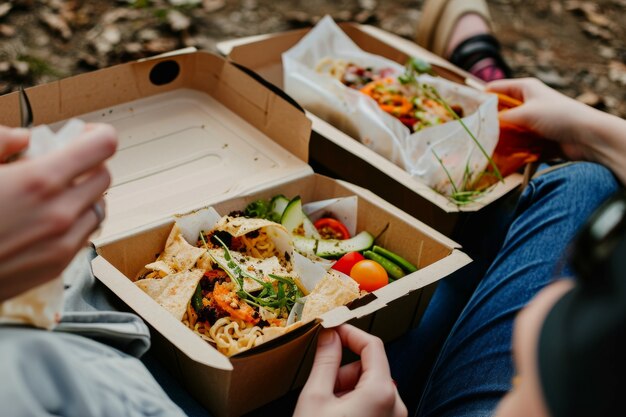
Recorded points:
(359, 116)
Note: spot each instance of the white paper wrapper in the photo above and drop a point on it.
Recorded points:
(344, 209)
(41, 306)
(360, 116)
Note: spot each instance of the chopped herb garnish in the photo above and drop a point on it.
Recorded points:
(281, 296)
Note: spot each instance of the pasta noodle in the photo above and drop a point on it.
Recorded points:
(336, 68)
(233, 336)
(260, 246)
(230, 310)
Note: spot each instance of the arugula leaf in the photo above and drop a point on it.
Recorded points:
(284, 296)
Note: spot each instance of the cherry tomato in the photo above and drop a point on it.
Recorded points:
(330, 228)
(369, 274)
(347, 261)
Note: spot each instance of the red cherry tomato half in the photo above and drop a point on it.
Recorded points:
(347, 261)
(369, 274)
(330, 228)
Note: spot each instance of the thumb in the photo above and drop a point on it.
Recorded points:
(516, 116)
(12, 141)
(326, 364)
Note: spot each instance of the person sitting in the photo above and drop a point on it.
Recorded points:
(555, 355)
(88, 365)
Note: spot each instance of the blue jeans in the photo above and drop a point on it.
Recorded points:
(473, 368)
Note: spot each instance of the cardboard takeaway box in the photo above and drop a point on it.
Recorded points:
(334, 152)
(196, 131)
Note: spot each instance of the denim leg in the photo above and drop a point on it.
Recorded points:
(481, 235)
(474, 368)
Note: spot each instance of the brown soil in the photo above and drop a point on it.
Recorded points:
(577, 47)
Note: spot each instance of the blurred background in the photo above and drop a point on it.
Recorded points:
(578, 47)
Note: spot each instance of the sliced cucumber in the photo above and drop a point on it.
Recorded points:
(277, 206)
(293, 216)
(333, 248)
(305, 245)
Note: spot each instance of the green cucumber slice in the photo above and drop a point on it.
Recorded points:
(277, 206)
(331, 248)
(293, 216)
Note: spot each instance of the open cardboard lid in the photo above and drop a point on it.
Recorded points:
(262, 53)
(193, 129)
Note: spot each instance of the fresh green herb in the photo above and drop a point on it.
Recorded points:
(283, 296)
(196, 300)
(434, 94)
(414, 67)
(257, 209)
(463, 196)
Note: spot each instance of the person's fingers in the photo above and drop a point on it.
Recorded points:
(399, 409)
(63, 166)
(68, 205)
(12, 141)
(47, 259)
(517, 116)
(55, 215)
(347, 377)
(512, 88)
(369, 348)
(325, 365)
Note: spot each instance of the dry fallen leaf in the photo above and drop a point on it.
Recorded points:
(6, 30)
(212, 5)
(617, 72)
(21, 67)
(178, 21)
(56, 23)
(597, 31)
(161, 45)
(5, 9)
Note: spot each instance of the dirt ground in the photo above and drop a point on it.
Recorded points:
(577, 47)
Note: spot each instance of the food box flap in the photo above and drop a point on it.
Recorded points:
(193, 129)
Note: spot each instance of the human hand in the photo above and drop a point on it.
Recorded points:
(47, 211)
(582, 132)
(12, 141)
(550, 114)
(362, 388)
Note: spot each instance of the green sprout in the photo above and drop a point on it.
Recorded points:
(283, 296)
(415, 67)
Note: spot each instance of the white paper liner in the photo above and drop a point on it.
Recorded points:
(360, 116)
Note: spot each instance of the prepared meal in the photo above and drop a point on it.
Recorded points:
(408, 102)
(440, 132)
(248, 277)
(325, 232)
